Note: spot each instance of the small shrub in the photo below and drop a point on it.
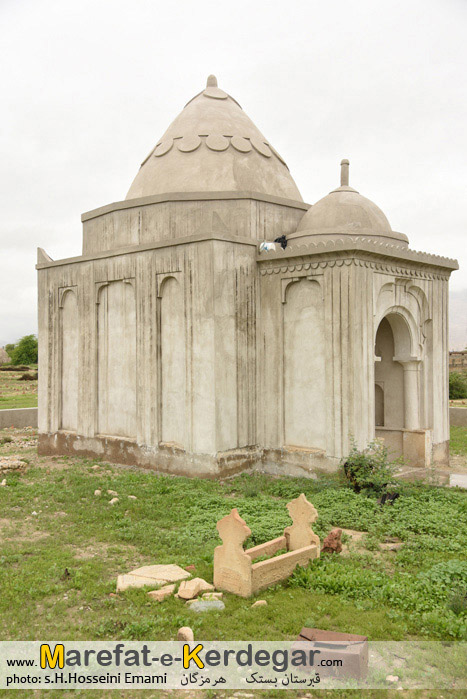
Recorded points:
(251, 491)
(458, 602)
(370, 468)
(457, 385)
(28, 377)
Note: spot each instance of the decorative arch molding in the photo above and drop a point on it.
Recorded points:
(163, 277)
(405, 330)
(69, 357)
(304, 363)
(287, 281)
(403, 298)
(63, 290)
(171, 360)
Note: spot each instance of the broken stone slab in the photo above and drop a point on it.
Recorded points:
(185, 634)
(162, 593)
(191, 588)
(200, 605)
(125, 582)
(161, 573)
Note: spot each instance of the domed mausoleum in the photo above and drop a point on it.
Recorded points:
(179, 342)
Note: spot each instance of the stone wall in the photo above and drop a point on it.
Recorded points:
(18, 417)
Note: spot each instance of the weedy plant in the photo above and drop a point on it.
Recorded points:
(371, 468)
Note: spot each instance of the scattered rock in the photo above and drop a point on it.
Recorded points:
(190, 568)
(259, 603)
(112, 594)
(332, 543)
(392, 678)
(95, 467)
(112, 492)
(10, 463)
(160, 595)
(132, 497)
(185, 634)
(3, 483)
(391, 547)
(212, 595)
(113, 501)
(98, 492)
(191, 588)
(199, 605)
(34, 513)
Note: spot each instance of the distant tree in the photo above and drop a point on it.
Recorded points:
(457, 385)
(9, 349)
(24, 351)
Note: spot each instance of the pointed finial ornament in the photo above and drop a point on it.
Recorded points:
(211, 81)
(344, 173)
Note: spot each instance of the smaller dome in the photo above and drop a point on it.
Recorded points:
(344, 212)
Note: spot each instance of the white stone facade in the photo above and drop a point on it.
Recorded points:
(172, 343)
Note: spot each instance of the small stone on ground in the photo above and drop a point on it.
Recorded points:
(199, 605)
(185, 634)
(332, 543)
(259, 603)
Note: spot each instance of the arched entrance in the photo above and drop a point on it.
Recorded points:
(397, 389)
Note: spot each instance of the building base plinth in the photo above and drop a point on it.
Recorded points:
(172, 459)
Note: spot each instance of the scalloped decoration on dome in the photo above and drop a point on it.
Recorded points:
(215, 142)
(213, 146)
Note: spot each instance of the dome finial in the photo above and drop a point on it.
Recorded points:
(344, 173)
(211, 81)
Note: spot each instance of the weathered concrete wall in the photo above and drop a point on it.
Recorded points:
(18, 417)
(170, 217)
(189, 352)
(458, 416)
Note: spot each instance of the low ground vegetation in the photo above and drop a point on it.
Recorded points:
(457, 385)
(61, 549)
(402, 573)
(15, 391)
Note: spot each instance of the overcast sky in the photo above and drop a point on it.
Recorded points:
(88, 87)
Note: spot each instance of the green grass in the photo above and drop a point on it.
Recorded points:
(174, 520)
(29, 400)
(458, 442)
(17, 394)
(58, 568)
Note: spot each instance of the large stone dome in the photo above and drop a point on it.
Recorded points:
(345, 212)
(212, 146)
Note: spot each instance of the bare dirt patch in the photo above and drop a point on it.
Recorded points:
(12, 530)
